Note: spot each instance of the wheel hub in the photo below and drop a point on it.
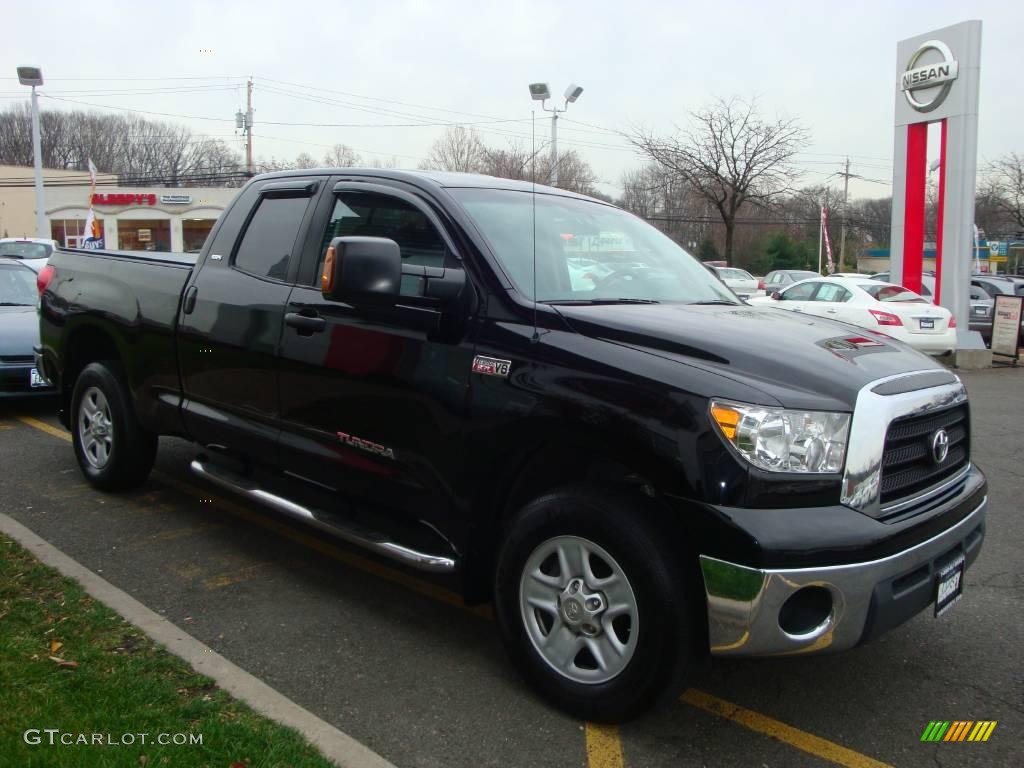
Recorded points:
(581, 610)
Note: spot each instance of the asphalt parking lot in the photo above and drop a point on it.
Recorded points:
(397, 663)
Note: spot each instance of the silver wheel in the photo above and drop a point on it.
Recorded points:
(95, 429)
(579, 609)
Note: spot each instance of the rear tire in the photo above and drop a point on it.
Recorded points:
(113, 450)
(613, 639)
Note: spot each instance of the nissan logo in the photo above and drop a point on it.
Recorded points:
(940, 446)
(929, 75)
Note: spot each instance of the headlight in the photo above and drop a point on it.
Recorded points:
(781, 440)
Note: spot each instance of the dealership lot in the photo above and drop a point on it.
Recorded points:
(397, 663)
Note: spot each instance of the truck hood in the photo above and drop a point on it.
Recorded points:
(19, 331)
(796, 360)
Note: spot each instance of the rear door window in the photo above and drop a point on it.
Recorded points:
(269, 241)
(832, 292)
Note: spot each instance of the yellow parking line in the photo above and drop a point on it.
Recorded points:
(48, 428)
(794, 737)
(604, 747)
(248, 573)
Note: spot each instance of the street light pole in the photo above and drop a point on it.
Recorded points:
(540, 92)
(33, 76)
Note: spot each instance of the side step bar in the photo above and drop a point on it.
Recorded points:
(372, 542)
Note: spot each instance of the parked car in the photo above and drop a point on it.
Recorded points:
(19, 331)
(980, 302)
(33, 251)
(874, 305)
(778, 279)
(635, 473)
(742, 283)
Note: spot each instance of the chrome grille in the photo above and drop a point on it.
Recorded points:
(908, 465)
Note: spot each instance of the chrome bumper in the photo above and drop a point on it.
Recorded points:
(744, 603)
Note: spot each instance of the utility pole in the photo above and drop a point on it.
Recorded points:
(842, 236)
(248, 128)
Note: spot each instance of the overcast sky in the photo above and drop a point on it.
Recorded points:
(431, 62)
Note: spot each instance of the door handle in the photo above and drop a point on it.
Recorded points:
(190, 300)
(306, 325)
(830, 311)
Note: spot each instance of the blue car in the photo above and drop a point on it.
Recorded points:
(19, 331)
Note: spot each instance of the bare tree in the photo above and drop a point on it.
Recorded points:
(305, 160)
(731, 157)
(1005, 187)
(138, 150)
(342, 156)
(458, 149)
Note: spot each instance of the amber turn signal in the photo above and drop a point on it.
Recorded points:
(727, 419)
(327, 275)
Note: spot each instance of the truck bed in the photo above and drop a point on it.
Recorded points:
(157, 257)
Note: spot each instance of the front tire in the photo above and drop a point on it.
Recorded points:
(593, 607)
(113, 449)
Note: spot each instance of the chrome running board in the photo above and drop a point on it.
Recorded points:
(232, 482)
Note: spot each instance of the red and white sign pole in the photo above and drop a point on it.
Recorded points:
(937, 82)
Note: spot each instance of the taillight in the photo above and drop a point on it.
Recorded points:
(952, 322)
(885, 318)
(46, 274)
(760, 285)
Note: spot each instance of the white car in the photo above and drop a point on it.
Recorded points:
(874, 305)
(743, 284)
(31, 251)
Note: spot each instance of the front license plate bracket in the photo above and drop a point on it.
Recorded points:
(949, 584)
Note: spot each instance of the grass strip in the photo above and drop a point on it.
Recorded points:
(70, 663)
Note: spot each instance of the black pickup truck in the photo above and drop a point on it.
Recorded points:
(543, 397)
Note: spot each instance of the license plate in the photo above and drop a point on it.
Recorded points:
(949, 585)
(927, 325)
(979, 311)
(34, 379)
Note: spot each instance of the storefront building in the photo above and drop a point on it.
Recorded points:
(138, 219)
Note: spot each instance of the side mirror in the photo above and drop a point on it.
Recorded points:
(776, 295)
(362, 270)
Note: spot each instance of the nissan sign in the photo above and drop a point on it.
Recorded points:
(941, 73)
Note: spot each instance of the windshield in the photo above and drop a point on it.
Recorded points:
(26, 250)
(586, 251)
(887, 292)
(17, 286)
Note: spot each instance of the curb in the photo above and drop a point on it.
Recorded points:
(335, 745)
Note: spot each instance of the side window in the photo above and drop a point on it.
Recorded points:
(269, 239)
(800, 292)
(832, 292)
(369, 214)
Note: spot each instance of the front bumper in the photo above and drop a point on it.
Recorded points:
(867, 598)
(15, 381)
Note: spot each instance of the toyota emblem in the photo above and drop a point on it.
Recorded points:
(940, 446)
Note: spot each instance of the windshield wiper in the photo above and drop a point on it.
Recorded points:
(14, 304)
(601, 301)
(716, 301)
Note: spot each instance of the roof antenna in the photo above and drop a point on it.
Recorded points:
(533, 199)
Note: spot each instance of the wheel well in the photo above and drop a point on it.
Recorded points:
(83, 346)
(543, 469)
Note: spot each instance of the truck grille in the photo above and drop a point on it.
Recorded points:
(908, 464)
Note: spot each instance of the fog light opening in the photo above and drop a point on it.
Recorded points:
(806, 611)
